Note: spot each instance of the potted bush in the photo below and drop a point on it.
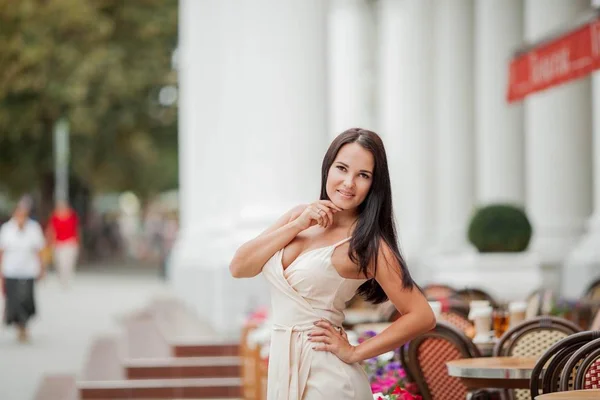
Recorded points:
(500, 262)
(500, 228)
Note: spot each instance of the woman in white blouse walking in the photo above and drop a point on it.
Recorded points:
(21, 243)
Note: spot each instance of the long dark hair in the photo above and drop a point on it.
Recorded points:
(375, 214)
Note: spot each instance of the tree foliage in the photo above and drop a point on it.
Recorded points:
(100, 64)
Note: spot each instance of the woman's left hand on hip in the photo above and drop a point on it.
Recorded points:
(326, 337)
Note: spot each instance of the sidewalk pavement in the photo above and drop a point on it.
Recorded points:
(66, 323)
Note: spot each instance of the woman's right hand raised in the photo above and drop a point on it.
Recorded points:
(318, 213)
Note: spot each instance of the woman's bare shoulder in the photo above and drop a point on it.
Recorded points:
(385, 256)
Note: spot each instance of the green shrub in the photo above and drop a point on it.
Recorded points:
(500, 228)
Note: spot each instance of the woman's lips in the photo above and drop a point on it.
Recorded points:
(345, 195)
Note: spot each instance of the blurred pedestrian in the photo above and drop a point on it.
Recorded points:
(63, 235)
(21, 244)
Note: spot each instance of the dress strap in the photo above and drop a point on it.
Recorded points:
(341, 242)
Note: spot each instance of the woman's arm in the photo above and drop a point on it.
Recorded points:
(416, 314)
(39, 244)
(77, 227)
(42, 274)
(416, 317)
(2, 246)
(49, 234)
(252, 256)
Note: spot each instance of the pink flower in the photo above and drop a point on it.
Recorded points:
(404, 395)
(411, 387)
(377, 388)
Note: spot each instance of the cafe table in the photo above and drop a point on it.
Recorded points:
(571, 395)
(493, 372)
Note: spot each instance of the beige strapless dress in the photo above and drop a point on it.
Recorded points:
(309, 289)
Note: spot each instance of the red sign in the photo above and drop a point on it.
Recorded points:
(571, 56)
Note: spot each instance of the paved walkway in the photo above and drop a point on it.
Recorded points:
(67, 322)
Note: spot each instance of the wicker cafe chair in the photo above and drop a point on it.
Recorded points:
(409, 379)
(453, 312)
(593, 291)
(595, 326)
(458, 320)
(532, 338)
(438, 292)
(425, 359)
(591, 379)
(592, 296)
(457, 313)
(469, 294)
(568, 377)
(588, 375)
(554, 360)
(539, 302)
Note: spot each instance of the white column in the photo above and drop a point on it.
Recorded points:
(499, 30)
(351, 53)
(558, 144)
(282, 95)
(594, 223)
(583, 264)
(454, 121)
(253, 128)
(405, 120)
(202, 91)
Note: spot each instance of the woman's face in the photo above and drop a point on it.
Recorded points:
(20, 215)
(350, 176)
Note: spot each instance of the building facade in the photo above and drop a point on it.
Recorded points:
(266, 84)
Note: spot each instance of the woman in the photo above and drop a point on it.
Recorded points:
(21, 244)
(63, 235)
(316, 257)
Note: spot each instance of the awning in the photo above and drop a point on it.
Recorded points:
(564, 56)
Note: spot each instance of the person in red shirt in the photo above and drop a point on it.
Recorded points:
(63, 236)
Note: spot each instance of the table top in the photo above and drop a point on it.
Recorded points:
(492, 367)
(571, 395)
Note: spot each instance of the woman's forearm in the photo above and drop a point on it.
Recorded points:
(404, 329)
(252, 256)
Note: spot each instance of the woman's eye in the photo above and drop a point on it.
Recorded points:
(365, 176)
(341, 168)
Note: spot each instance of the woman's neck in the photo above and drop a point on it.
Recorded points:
(345, 219)
(63, 213)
